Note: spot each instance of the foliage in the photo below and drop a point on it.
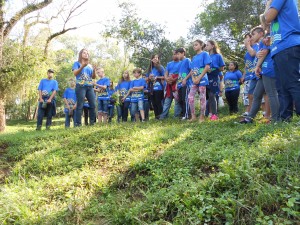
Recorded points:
(168, 172)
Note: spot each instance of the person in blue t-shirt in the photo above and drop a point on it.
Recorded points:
(183, 83)
(251, 45)
(101, 86)
(47, 91)
(171, 76)
(122, 88)
(200, 66)
(283, 16)
(136, 93)
(84, 73)
(217, 65)
(69, 98)
(267, 83)
(155, 74)
(232, 81)
(112, 101)
(146, 99)
(86, 108)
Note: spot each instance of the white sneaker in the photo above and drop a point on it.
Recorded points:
(245, 114)
(183, 118)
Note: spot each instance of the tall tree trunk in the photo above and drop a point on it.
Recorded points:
(2, 114)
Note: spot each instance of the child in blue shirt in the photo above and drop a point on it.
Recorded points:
(232, 80)
(200, 66)
(136, 92)
(217, 65)
(70, 101)
(47, 91)
(183, 83)
(122, 88)
(103, 99)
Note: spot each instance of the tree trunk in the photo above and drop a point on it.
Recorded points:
(2, 114)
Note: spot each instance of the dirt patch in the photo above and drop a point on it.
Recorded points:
(210, 169)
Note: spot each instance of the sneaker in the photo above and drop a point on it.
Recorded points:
(47, 127)
(210, 115)
(38, 128)
(214, 117)
(245, 114)
(183, 118)
(245, 121)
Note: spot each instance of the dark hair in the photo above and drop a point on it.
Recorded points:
(180, 50)
(50, 71)
(122, 78)
(258, 29)
(216, 48)
(203, 45)
(236, 66)
(151, 65)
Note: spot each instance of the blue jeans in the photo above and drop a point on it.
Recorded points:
(146, 109)
(122, 110)
(44, 112)
(102, 106)
(68, 118)
(135, 107)
(111, 112)
(287, 69)
(81, 93)
(167, 106)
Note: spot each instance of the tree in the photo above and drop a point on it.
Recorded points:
(5, 29)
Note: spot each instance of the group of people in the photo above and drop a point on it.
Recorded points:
(272, 75)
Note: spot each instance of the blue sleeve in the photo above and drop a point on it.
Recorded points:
(162, 70)
(207, 59)
(40, 87)
(56, 86)
(221, 61)
(131, 85)
(239, 74)
(278, 4)
(76, 66)
(65, 93)
(117, 87)
(144, 83)
(107, 82)
(168, 67)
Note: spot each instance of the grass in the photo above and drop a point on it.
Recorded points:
(159, 172)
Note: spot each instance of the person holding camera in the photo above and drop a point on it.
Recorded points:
(47, 91)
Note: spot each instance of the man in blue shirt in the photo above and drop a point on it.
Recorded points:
(282, 15)
(47, 91)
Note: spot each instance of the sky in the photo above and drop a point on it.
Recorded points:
(176, 15)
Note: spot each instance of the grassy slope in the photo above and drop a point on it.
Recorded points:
(151, 173)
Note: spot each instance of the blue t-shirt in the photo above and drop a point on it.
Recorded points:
(137, 95)
(123, 89)
(216, 61)
(104, 94)
(173, 67)
(146, 91)
(85, 76)
(47, 87)
(267, 65)
(70, 96)
(231, 80)
(285, 28)
(184, 70)
(250, 64)
(199, 62)
(157, 86)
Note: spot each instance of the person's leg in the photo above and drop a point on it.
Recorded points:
(146, 109)
(105, 111)
(90, 95)
(212, 102)
(202, 98)
(141, 109)
(133, 110)
(166, 108)
(235, 100)
(159, 97)
(191, 98)
(119, 111)
(245, 96)
(86, 115)
(125, 111)
(257, 98)
(271, 90)
(228, 95)
(49, 115)
(40, 116)
(67, 120)
(80, 92)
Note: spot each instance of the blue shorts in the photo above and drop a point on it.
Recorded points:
(136, 106)
(103, 106)
(252, 86)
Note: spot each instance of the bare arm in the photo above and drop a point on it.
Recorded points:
(40, 96)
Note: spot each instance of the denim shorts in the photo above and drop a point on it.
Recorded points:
(103, 106)
(136, 106)
(252, 86)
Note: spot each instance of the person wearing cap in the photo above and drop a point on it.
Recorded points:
(47, 91)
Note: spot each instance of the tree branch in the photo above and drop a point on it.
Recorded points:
(28, 9)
